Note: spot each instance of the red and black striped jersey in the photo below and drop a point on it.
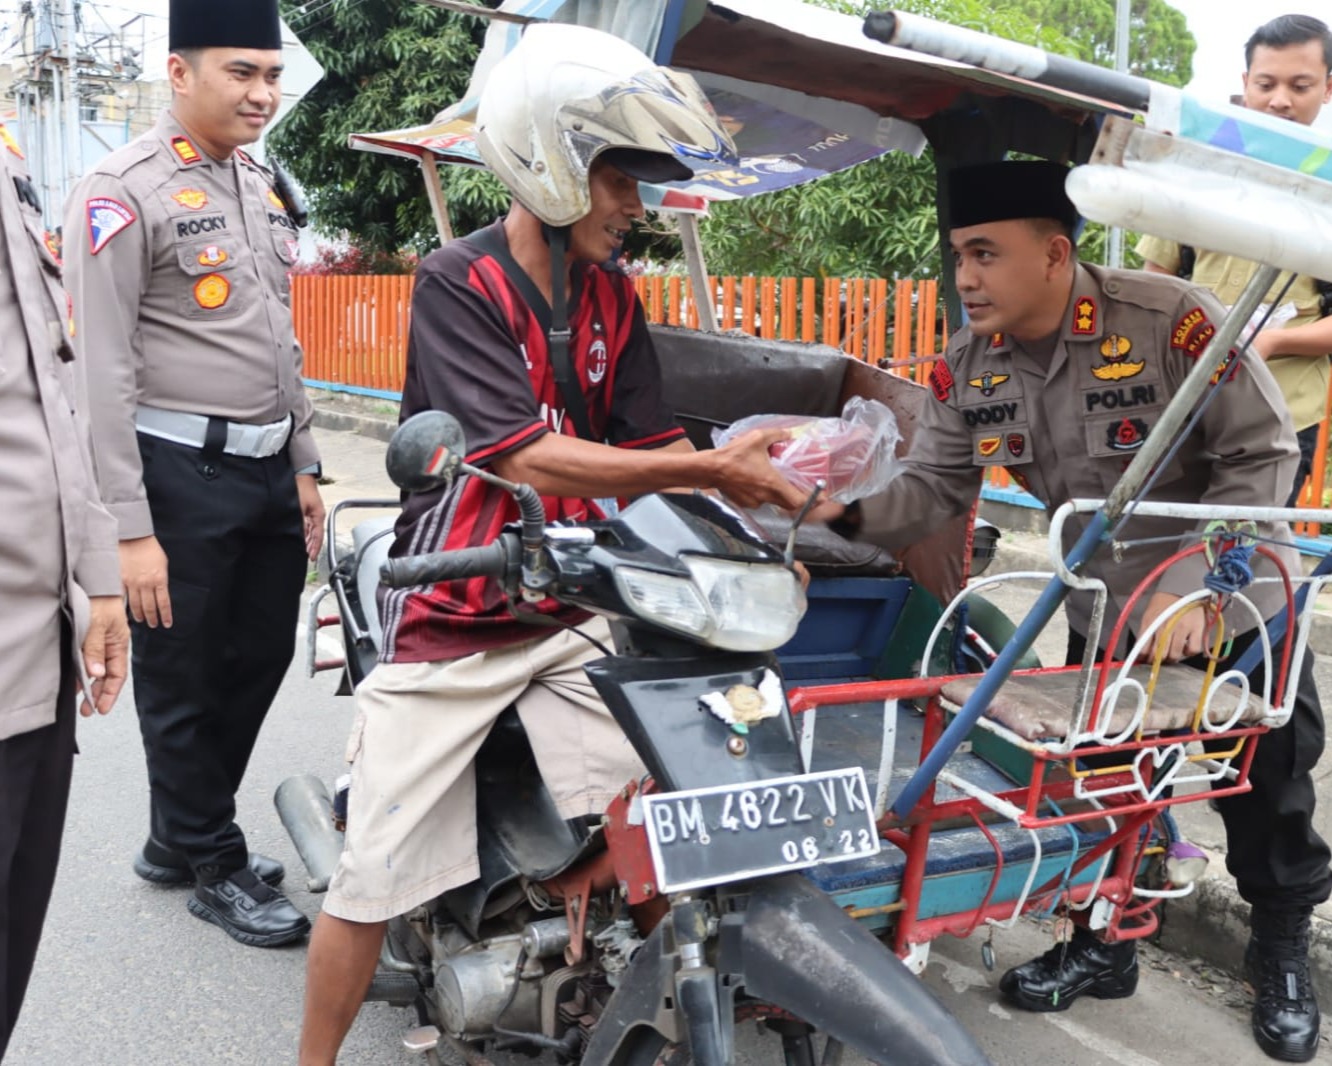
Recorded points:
(478, 351)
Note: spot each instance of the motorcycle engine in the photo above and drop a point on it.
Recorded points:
(475, 988)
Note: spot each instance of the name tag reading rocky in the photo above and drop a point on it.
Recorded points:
(709, 836)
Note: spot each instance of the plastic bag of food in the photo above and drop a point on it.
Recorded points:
(852, 455)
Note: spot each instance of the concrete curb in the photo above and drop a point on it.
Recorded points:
(346, 421)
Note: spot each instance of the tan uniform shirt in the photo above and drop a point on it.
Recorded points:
(178, 268)
(59, 543)
(1303, 380)
(1070, 428)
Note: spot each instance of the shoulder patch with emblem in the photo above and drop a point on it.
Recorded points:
(1084, 316)
(1192, 332)
(941, 381)
(1017, 444)
(106, 219)
(185, 151)
(987, 446)
(194, 199)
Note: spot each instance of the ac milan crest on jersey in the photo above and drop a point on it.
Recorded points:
(106, 218)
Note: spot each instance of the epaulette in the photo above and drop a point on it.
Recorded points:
(1151, 292)
(123, 160)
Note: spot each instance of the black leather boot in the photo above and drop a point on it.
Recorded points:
(248, 910)
(1085, 966)
(157, 863)
(1276, 964)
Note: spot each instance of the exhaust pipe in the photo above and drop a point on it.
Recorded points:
(306, 811)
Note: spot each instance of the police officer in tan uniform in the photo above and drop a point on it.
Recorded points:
(1064, 370)
(59, 576)
(179, 250)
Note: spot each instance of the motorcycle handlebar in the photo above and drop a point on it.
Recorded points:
(488, 561)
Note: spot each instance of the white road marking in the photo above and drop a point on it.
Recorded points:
(1102, 1045)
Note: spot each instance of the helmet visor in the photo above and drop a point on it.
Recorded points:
(653, 168)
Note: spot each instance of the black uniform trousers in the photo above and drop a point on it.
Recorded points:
(232, 531)
(35, 770)
(1277, 858)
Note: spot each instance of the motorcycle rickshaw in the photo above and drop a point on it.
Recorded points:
(649, 935)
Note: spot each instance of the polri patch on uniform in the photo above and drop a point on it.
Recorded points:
(1084, 316)
(941, 381)
(8, 139)
(1017, 444)
(987, 382)
(212, 292)
(1117, 366)
(194, 199)
(106, 218)
(185, 151)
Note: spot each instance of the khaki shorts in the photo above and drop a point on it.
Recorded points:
(411, 822)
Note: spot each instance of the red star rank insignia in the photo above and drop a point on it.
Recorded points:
(941, 381)
(1084, 316)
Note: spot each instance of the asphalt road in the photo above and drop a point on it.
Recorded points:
(126, 976)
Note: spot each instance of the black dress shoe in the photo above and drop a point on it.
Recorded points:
(1276, 963)
(1085, 966)
(163, 866)
(249, 910)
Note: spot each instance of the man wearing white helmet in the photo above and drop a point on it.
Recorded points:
(571, 136)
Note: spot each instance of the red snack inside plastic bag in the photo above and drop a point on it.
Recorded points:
(852, 455)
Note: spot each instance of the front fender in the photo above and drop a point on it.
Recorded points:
(795, 948)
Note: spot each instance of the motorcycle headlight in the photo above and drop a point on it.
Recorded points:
(756, 606)
(730, 605)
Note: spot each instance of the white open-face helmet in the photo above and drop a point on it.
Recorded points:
(565, 95)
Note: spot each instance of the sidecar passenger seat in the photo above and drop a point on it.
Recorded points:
(371, 541)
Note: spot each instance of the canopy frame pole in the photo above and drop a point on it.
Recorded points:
(705, 297)
(438, 206)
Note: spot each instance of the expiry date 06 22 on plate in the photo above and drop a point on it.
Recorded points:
(708, 836)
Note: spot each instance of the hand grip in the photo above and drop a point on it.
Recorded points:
(488, 561)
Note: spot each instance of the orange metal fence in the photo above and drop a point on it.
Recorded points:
(354, 328)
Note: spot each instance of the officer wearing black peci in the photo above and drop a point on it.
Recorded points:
(178, 249)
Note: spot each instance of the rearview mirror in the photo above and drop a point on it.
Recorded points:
(425, 451)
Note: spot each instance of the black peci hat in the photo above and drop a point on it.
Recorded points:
(996, 192)
(225, 24)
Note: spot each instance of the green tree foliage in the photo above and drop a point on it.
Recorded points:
(390, 64)
(879, 218)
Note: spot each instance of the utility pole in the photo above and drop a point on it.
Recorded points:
(67, 71)
(1114, 249)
